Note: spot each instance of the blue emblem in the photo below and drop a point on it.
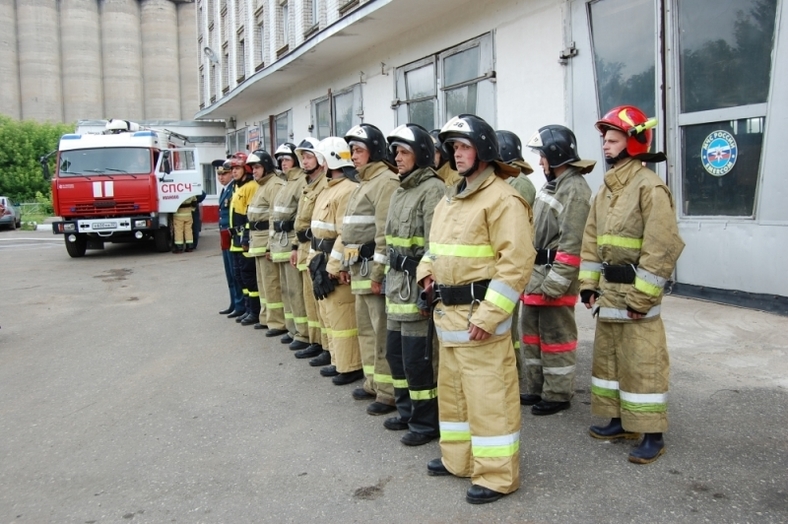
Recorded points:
(719, 153)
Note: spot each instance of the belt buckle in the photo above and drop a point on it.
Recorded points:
(474, 302)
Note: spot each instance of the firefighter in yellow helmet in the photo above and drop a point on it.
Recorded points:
(364, 243)
(312, 162)
(259, 226)
(630, 247)
(335, 299)
(480, 257)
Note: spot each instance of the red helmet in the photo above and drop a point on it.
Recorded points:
(239, 160)
(632, 122)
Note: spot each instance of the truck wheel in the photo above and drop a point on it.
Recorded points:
(77, 248)
(161, 237)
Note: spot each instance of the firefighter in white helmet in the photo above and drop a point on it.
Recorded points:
(335, 299)
(282, 239)
(411, 355)
(259, 225)
(480, 257)
(312, 162)
(364, 243)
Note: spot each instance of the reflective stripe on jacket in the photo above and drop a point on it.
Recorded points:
(365, 221)
(632, 221)
(306, 206)
(482, 233)
(259, 210)
(407, 234)
(284, 209)
(328, 214)
(560, 214)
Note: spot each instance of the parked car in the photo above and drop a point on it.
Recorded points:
(10, 213)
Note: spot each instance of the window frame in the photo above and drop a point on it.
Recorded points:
(330, 97)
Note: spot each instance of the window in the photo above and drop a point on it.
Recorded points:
(336, 113)
(284, 23)
(236, 141)
(265, 135)
(311, 16)
(439, 87)
(283, 127)
(624, 62)
(725, 56)
(225, 69)
(241, 59)
(208, 179)
(260, 47)
(202, 93)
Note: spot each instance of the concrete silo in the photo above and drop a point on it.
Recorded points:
(9, 61)
(188, 58)
(121, 49)
(38, 35)
(160, 69)
(80, 36)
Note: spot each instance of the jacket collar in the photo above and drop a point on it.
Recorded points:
(371, 170)
(294, 173)
(419, 175)
(484, 179)
(618, 177)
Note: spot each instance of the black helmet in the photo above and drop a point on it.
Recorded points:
(286, 149)
(556, 143)
(510, 146)
(474, 131)
(262, 157)
(415, 138)
(434, 134)
(371, 137)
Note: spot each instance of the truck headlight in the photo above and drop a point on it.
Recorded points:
(139, 224)
(69, 227)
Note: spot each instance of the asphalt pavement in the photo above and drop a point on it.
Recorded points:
(126, 397)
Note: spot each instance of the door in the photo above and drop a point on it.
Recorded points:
(178, 178)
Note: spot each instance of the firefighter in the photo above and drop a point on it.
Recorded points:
(182, 227)
(243, 267)
(258, 227)
(547, 320)
(312, 162)
(630, 247)
(364, 244)
(512, 154)
(480, 258)
(223, 173)
(282, 239)
(412, 357)
(442, 165)
(335, 299)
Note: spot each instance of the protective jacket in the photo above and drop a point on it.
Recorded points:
(480, 233)
(523, 185)
(224, 205)
(407, 237)
(259, 214)
(631, 228)
(283, 216)
(448, 175)
(303, 219)
(242, 196)
(560, 214)
(364, 228)
(327, 217)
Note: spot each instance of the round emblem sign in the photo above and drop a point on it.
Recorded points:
(719, 153)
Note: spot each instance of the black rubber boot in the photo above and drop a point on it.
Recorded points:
(612, 431)
(649, 450)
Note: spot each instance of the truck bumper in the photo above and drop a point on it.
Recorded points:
(107, 227)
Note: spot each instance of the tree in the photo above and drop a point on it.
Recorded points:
(22, 143)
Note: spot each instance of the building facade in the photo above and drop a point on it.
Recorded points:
(709, 70)
(66, 60)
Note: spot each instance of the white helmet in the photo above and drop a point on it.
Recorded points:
(309, 144)
(336, 152)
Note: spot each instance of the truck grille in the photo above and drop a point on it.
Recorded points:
(103, 208)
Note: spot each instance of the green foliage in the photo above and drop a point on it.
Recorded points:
(45, 202)
(22, 143)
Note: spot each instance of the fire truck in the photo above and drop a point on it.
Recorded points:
(121, 185)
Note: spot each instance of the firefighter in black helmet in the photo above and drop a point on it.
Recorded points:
(512, 154)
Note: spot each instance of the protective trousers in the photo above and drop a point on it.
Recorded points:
(318, 334)
(236, 295)
(268, 281)
(476, 441)
(549, 346)
(516, 338)
(338, 313)
(182, 222)
(292, 294)
(246, 276)
(414, 369)
(629, 374)
(371, 318)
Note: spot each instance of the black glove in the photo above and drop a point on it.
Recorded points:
(322, 284)
(586, 294)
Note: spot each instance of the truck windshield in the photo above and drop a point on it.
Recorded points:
(106, 161)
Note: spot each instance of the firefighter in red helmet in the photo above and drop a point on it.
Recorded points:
(630, 247)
